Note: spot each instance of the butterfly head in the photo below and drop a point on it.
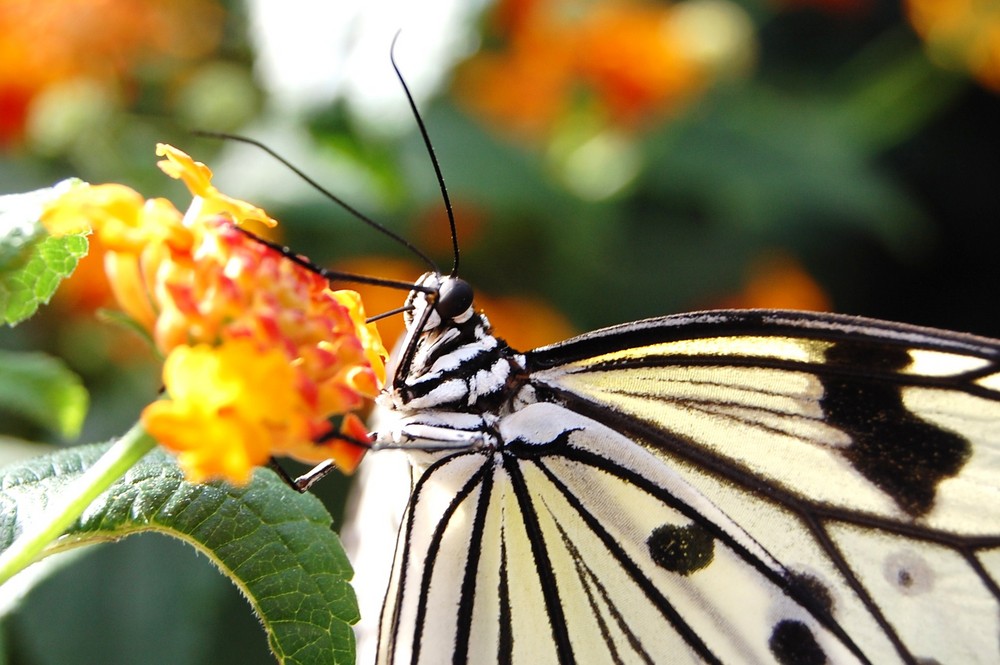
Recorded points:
(448, 301)
(436, 307)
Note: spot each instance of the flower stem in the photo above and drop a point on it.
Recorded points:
(65, 509)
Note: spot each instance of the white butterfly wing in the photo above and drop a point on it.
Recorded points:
(374, 513)
(714, 487)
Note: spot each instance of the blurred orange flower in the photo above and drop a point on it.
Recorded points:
(87, 290)
(961, 34)
(261, 356)
(431, 227)
(524, 322)
(527, 86)
(627, 55)
(778, 281)
(45, 43)
(630, 60)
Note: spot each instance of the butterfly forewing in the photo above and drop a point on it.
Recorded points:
(864, 454)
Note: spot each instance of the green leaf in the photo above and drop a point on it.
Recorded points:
(50, 261)
(43, 389)
(32, 264)
(276, 545)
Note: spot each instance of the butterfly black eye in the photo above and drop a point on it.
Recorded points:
(454, 298)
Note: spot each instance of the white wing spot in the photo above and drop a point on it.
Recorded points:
(991, 382)
(924, 362)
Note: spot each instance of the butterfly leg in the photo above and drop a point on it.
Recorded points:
(312, 476)
(438, 431)
(425, 437)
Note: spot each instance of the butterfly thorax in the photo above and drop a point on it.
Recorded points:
(452, 373)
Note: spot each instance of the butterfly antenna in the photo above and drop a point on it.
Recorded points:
(333, 275)
(430, 152)
(327, 193)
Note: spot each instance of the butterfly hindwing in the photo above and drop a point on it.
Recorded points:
(574, 545)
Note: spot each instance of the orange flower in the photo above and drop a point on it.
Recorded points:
(345, 453)
(84, 207)
(236, 292)
(137, 235)
(380, 299)
(525, 88)
(47, 43)
(778, 280)
(209, 201)
(368, 336)
(626, 54)
(225, 405)
(261, 355)
(626, 61)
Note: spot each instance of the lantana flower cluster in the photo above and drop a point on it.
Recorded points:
(261, 356)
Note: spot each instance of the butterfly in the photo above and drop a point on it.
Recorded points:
(720, 486)
(733, 486)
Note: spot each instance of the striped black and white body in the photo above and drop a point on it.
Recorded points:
(736, 486)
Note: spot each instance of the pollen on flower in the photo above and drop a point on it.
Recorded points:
(262, 357)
